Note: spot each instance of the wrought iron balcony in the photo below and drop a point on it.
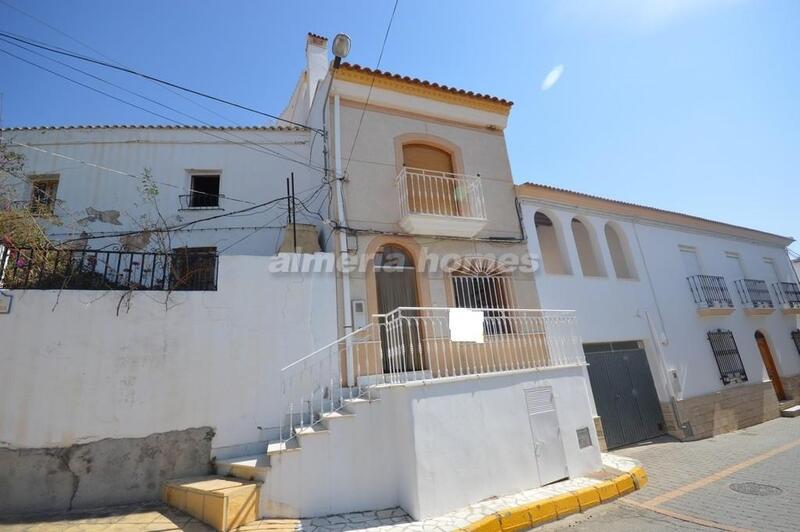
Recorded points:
(755, 296)
(788, 295)
(711, 295)
(441, 203)
(78, 269)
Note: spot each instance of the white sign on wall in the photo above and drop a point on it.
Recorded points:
(466, 325)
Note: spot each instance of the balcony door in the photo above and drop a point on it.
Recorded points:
(431, 185)
(396, 286)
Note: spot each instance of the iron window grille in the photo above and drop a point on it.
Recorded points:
(796, 338)
(754, 293)
(482, 283)
(56, 269)
(788, 294)
(726, 353)
(710, 291)
(43, 195)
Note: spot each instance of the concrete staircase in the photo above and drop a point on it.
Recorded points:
(295, 477)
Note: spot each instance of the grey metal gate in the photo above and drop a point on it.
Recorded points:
(624, 392)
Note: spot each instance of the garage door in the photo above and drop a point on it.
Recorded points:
(624, 392)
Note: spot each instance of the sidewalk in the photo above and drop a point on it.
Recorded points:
(513, 512)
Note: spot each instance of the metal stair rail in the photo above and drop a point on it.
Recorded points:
(421, 344)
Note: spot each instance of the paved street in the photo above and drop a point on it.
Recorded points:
(745, 480)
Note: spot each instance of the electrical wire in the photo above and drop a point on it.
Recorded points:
(247, 144)
(372, 83)
(105, 64)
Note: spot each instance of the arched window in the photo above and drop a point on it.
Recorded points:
(552, 258)
(620, 254)
(480, 282)
(587, 256)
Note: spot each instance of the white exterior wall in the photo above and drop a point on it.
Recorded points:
(611, 309)
(82, 373)
(248, 175)
(430, 448)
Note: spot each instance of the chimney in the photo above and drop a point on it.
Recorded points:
(316, 63)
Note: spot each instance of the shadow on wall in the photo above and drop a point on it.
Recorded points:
(112, 471)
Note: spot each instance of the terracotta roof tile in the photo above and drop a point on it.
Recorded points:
(425, 83)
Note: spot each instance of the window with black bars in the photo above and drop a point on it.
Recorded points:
(796, 338)
(727, 355)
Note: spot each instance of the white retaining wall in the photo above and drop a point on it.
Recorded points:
(430, 447)
(73, 371)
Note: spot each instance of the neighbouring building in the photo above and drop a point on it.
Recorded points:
(689, 326)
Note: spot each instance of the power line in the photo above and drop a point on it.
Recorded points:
(248, 144)
(372, 83)
(98, 52)
(155, 79)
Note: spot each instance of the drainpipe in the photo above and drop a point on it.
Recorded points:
(657, 338)
(342, 222)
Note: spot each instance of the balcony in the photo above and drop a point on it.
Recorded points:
(711, 295)
(755, 297)
(441, 203)
(788, 297)
(83, 269)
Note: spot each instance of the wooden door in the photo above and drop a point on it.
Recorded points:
(769, 363)
(432, 191)
(396, 286)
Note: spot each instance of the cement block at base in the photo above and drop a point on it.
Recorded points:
(222, 503)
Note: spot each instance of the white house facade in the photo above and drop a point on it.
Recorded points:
(689, 326)
(405, 335)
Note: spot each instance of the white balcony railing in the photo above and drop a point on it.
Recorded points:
(423, 344)
(433, 193)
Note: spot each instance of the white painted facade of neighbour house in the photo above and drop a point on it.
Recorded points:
(427, 377)
(627, 270)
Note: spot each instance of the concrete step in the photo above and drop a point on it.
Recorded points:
(793, 411)
(252, 467)
(222, 503)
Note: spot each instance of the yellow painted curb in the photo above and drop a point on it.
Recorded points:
(490, 523)
(566, 504)
(587, 498)
(542, 512)
(559, 506)
(639, 477)
(607, 490)
(515, 519)
(625, 484)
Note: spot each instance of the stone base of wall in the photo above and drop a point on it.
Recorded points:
(100, 473)
(724, 411)
(791, 385)
(601, 435)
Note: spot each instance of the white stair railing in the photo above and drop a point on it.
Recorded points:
(417, 343)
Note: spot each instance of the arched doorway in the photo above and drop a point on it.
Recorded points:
(396, 286)
(769, 363)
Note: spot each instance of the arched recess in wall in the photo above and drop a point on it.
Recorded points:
(620, 251)
(587, 249)
(550, 245)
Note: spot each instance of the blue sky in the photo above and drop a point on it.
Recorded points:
(687, 105)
